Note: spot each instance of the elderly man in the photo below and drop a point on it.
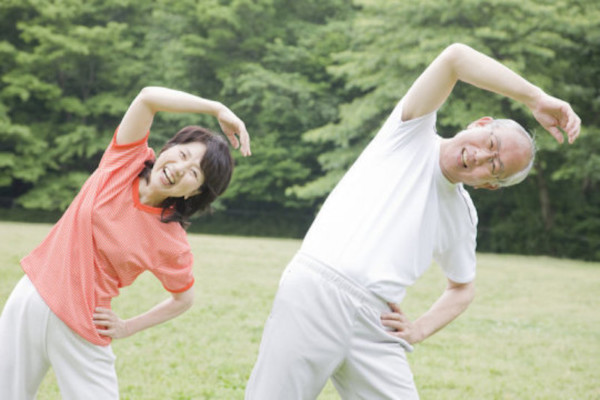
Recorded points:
(401, 204)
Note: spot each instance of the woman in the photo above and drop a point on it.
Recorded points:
(127, 218)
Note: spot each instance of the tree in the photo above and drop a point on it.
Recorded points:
(395, 40)
(267, 60)
(70, 75)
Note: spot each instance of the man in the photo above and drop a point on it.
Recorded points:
(401, 204)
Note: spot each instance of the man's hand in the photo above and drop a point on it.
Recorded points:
(554, 114)
(403, 327)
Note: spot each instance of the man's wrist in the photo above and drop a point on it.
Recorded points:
(533, 99)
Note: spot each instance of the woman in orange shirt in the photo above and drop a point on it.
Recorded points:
(128, 217)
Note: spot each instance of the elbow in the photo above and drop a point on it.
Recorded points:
(456, 49)
(469, 293)
(184, 300)
(148, 98)
(454, 54)
(187, 303)
(464, 293)
(144, 96)
(150, 89)
(147, 93)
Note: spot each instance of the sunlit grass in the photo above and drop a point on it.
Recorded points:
(533, 331)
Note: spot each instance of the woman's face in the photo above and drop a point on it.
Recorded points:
(176, 171)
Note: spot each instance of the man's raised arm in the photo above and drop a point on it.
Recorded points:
(461, 62)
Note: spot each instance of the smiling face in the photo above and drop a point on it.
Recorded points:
(483, 154)
(176, 173)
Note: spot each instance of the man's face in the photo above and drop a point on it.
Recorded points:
(481, 155)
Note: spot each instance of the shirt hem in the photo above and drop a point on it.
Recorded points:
(181, 290)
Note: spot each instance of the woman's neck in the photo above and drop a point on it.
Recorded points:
(147, 196)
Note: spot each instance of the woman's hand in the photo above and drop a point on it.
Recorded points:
(232, 126)
(109, 324)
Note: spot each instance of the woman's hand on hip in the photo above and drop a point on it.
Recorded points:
(109, 324)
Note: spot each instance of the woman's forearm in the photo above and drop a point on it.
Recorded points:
(163, 312)
(109, 324)
(169, 100)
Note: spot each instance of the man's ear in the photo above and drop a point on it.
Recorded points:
(483, 121)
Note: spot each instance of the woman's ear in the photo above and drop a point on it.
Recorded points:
(194, 193)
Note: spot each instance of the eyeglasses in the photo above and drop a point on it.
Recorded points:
(496, 164)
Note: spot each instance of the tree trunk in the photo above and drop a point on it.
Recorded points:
(545, 206)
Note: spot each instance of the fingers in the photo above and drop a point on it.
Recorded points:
(104, 318)
(395, 308)
(232, 139)
(554, 131)
(233, 129)
(569, 122)
(102, 313)
(245, 139)
(398, 325)
(572, 126)
(558, 118)
(396, 320)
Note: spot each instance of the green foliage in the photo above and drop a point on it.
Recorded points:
(313, 80)
(553, 44)
(63, 90)
(280, 85)
(54, 193)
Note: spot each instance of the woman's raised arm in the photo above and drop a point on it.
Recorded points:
(138, 118)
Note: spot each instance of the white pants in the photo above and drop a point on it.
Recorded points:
(323, 325)
(32, 339)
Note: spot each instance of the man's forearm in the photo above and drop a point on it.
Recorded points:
(453, 302)
(484, 72)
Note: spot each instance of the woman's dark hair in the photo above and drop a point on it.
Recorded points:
(216, 165)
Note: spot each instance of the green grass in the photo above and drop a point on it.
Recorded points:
(533, 331)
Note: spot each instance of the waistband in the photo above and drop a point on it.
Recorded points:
(328, 273)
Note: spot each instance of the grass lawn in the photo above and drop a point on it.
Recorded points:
(533, 331)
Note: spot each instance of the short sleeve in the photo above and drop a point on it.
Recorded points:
(178, 276)
(395, 133)
(459, 262)
(121, 156)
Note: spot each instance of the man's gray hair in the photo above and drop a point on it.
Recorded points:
(517, 177)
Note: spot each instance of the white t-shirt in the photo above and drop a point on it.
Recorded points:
(394, 211)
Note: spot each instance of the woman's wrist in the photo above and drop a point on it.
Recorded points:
(217, 108)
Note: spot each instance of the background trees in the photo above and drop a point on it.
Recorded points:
(313, 80)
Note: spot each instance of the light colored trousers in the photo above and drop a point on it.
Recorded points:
(323, 325)
(32, 339)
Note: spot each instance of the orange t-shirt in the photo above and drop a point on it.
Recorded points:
(104, 240)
